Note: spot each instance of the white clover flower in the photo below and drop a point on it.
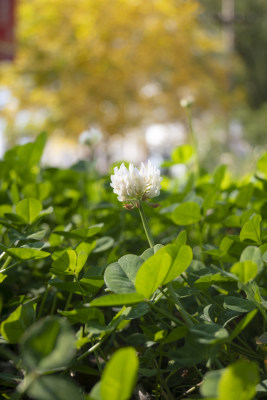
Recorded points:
(135, 185)
(187, 101)
(90, 137)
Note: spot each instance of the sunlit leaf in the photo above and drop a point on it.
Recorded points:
(18, 321)
(120, 374)
(186, 214)
(238, 381)
(245, 270)
(117, 299)
(182, 154)
(29, 209)
(152, 273)
(27, 253)
(251, 230)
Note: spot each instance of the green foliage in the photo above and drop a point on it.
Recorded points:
(120, 276)
(153, 273)
(54, 388)
(29, 209)
(118, 299)
(262, 165)
(17, 322)
(245, 270)
(120, 375)
(88, 311)
(251, 229)
(47, 345)
(239, 380)
(187, 213)
(251, 37)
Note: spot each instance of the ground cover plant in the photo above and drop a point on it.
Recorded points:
(94, 306)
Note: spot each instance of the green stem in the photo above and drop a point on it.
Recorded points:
(9, 355)
(100, 369)
(166, 314)
(198, 372)
(200, 231)
(68, 301)
(246, 352)
(93, 348)
(262, 311)
(146, 226)
(41, 309)
(193, 138)
(158, 318)
(6, 263)
(250, 295)
(200, 299)
(187, 317)
(81, 289)
(246, 346)
(54, 304)
(158, 366)
(9, 258)
(8, 268)
(70, 295)
(24, 385)
(168, 394)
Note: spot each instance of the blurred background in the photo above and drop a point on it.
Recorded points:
(105, 79)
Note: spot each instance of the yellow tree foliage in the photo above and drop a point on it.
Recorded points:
(114, 64)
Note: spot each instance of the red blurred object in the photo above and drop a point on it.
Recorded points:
(7, 22)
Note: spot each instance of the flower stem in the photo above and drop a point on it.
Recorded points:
(146, 226)
(193, 138)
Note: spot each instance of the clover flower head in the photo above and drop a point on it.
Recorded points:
(90, 137)
(187, 101)
(134, 185)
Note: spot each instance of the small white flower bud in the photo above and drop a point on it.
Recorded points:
(90, 137)
(187, 101)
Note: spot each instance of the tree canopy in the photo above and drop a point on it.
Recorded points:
(112, 64)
